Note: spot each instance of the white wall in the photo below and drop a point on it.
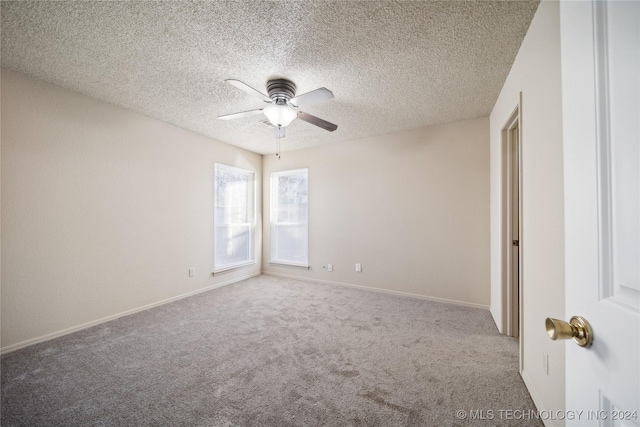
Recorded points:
(535, 73)
(411, 207)
(103, 210)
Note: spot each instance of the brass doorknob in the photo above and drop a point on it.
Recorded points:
(577, 328)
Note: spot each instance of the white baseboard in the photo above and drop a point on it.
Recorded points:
(547, 421)
(386, 291)
(27, 343)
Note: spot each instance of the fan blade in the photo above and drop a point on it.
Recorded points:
(248, 89)
(321, 94)
(317, 121)
(238, 115)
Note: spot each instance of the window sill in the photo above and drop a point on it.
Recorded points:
(233, 267)
(290, 264)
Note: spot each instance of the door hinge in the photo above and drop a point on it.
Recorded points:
(516, 243)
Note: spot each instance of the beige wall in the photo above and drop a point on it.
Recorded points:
(411, 207)
(535, 73)
(103, 210)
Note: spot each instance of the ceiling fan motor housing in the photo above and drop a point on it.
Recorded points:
(281, 91)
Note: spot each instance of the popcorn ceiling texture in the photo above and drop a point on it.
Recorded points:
(391, 65)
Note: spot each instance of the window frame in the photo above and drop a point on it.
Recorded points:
(273, 212)
(251, 216)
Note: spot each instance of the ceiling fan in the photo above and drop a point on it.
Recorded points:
(283, 105)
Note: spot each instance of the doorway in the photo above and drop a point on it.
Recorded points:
(512, 225)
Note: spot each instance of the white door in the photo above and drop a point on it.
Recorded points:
(601, 117)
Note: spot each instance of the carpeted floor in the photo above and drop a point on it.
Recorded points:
(272, 352)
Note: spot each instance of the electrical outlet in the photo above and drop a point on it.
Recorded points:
(545, 363)
(330, 267)
(358, 267)
(192, 272)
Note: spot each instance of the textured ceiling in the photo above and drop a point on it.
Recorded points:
(391, 65)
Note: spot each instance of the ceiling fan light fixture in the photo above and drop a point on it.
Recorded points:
(280, 115)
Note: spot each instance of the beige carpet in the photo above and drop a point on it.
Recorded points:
(272, 352)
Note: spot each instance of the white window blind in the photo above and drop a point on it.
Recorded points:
(234, 217)
(289, 217)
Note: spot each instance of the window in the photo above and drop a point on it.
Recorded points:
(233, 217)
(289, 217)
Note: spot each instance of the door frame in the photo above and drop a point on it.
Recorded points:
(512, 307)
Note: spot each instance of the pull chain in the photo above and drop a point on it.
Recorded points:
(279, 133)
